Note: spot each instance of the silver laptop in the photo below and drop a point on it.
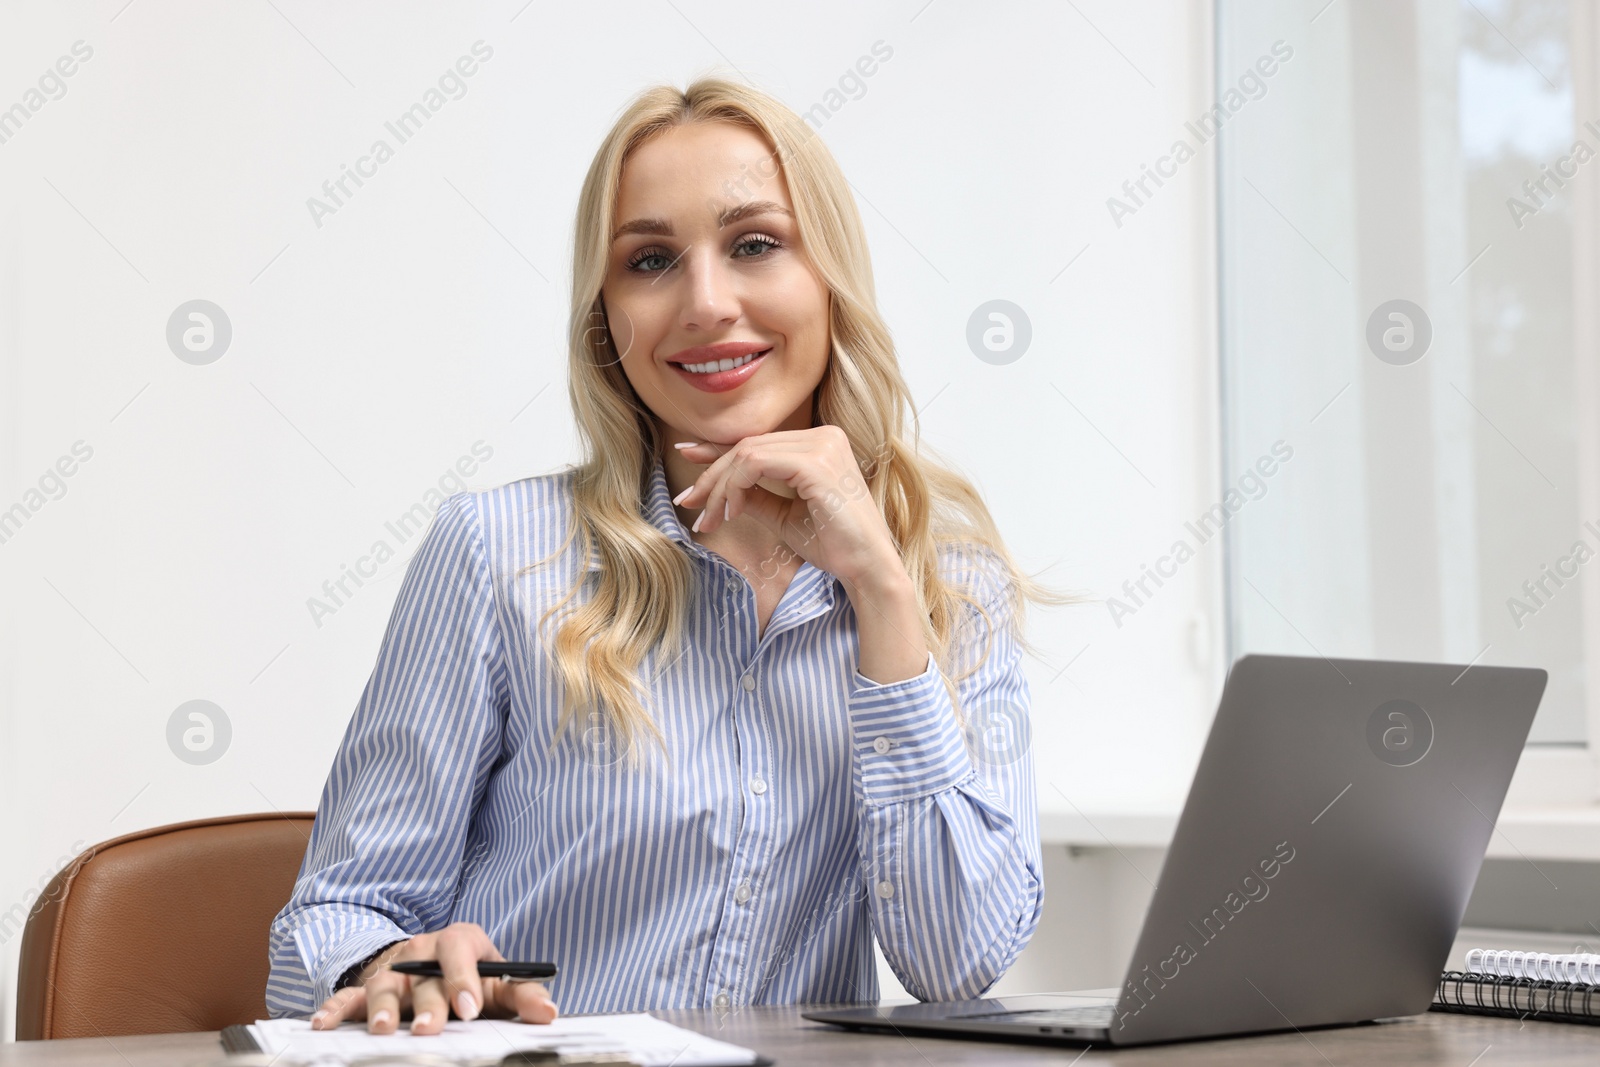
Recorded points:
(1320, 869)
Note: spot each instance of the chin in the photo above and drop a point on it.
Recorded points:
(731, 433)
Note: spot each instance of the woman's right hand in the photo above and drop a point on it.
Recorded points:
(380, 995)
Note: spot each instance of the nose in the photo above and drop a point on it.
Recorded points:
(710, 298)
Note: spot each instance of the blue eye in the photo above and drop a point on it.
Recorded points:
(642, 256)
(757, 239)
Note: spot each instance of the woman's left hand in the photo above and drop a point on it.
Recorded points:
(831, 522)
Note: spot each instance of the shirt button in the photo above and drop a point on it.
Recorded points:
(721, 1000)
(741, 894)
(758, 786)
(885, 890)
(733, 585)
(881, 746)
(748, 681)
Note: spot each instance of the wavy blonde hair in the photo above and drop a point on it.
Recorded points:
(646, 580)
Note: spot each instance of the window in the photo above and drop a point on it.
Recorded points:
(1407, 238)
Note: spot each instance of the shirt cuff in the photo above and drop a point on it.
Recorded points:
(349, 952)
(907, 742)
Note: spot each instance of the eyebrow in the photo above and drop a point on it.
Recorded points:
(728, 216)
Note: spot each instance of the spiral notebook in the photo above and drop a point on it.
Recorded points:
(1524, 985)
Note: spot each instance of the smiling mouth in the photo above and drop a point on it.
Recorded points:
(716, 365)
(722, 375)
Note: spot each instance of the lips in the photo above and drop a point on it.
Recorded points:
(721, 381)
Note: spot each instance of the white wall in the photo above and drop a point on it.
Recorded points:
(372, 352)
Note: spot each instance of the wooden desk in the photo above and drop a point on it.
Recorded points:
(1445, 1040)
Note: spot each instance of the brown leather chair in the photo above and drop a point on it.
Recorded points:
(161, 930)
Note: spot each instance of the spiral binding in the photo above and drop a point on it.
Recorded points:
(1567, 967)
(1518, 998)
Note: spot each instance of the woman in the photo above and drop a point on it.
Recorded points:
(703, 748)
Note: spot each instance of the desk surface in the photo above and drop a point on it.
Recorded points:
(1446, 1040)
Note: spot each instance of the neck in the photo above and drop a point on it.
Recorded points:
(743, 531)
(741, 537)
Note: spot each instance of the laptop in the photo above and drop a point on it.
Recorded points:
(1332, 834)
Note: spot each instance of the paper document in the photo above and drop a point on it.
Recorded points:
(642, 1038)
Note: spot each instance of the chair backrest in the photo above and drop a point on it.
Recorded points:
(160, 931)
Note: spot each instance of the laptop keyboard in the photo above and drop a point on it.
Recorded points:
(1097, 1015)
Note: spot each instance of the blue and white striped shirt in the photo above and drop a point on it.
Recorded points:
(804, 808)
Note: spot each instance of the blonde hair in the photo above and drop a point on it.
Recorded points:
(646, 580)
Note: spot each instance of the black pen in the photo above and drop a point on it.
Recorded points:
(512, 970)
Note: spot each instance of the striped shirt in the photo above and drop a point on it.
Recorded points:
(803, 809)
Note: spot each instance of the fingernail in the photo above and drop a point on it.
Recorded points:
(679, 498)
(686, 444)
(466, 1005)
(318, 1017)
(697, 521)
(422, 1020)
(381, 1017)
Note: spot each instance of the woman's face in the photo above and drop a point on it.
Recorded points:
(707, 254)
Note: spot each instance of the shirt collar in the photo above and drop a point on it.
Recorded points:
(657, 508)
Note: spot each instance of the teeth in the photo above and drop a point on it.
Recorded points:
(717, 364)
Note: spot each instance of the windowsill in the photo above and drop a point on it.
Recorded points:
(1551, 811)
(1107, 829)
(1552, 833)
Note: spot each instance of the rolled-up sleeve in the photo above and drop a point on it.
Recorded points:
(949, 825)
(386, 850)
